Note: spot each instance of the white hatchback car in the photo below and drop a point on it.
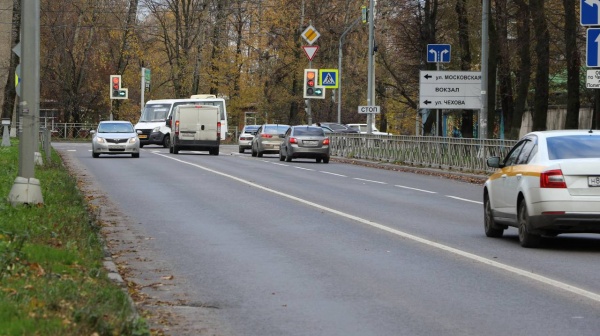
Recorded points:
(548, 184)
(245, 138)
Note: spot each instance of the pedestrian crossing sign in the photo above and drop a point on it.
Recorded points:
(328, 78)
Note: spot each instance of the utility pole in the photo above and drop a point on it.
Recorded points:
(370, 70)
(26, 189)
(483, 117)
(339, 91)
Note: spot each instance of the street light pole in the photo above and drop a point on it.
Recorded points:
(483, 118)
(370, 72)
(339, 107)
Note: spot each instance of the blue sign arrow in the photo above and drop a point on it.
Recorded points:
(439, 53)
(593, 47)
(590, 12)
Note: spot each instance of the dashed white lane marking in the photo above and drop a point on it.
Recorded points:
(330, 173)
(464, 199)
(360, 179)
(416, 189)
(302, 168)
(467, 255)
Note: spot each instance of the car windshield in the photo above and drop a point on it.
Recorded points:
(573, 147)
(115, 128)
(314, 131)
(155, 112)
(275, 129)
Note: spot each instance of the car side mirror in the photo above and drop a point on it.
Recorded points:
(494, 162)
(168, 122)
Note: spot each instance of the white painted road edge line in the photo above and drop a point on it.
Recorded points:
(360, 179)
(426, 191)
(464, 199)
(542, 279)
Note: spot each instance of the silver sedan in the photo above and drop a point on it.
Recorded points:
(305, 141)
(115, 137)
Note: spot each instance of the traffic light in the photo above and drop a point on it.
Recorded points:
(116, 91)
(311, 89)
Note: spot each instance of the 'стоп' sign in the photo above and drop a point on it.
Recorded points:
(368, 109)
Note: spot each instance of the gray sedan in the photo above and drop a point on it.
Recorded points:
(115, 137)
(268, 138)
(305, 141)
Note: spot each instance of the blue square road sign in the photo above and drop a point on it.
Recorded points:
(438, 53)
(592, 47)
(590, 12)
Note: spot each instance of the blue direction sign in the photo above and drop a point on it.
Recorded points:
(439, 53)
(593, 47)
(590, 12)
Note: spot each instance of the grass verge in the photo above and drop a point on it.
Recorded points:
(52, 279)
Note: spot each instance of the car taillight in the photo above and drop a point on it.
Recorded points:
(268, 136)
(552, 179)
(293, 140)
(177, 127)
(326, 141)
(219, 129)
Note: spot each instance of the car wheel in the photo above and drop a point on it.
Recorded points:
(141, 145)
(241, 150)
(491, 229)
(175, 149)
(281, 157)
(319, 160)
(253, 152)
(288, 158)
(167, 141)
(135, 155)
(326, 159)
(214, 151)
(259, 154)
(526, 238)
(95, 155)
(171, 149)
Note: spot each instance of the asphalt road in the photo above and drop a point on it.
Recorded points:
(302, 248)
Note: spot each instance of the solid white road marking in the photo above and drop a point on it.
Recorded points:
(464, 199)
(471, 256)
(425, 191)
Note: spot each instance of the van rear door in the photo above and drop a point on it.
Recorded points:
(198, 123)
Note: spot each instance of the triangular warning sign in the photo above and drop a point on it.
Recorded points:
(310, 51)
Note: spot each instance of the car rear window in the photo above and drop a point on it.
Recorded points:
(573, 147)
(275, 129)
(314, 131)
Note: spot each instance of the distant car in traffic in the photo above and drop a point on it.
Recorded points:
(362, 128)
(548, 184)
(115, 137)
(268, 138)
(305, 141)
(245, 138)
(338, 128)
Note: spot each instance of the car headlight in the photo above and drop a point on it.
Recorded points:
(156, 129)
(133, 140)
(100, 140)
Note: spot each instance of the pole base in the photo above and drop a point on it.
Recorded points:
(25, 191)
(37, 158)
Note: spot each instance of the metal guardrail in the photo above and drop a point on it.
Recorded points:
(460, 154)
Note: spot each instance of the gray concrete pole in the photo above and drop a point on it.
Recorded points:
(370, 70)
(26, 188)
(483, 118)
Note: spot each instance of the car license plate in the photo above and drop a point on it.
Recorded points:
(311, 142)
(142, 136)
(594, 181)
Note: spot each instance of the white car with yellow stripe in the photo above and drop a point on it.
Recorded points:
(548, 184)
